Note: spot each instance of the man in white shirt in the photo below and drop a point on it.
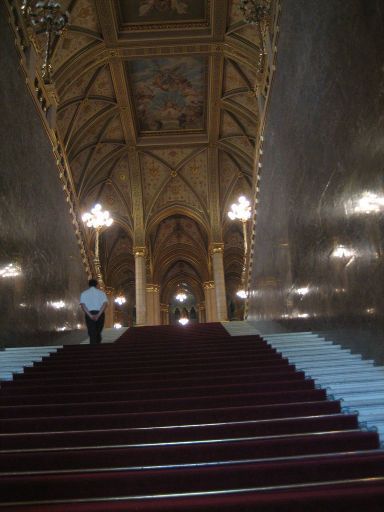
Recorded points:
(94, 302)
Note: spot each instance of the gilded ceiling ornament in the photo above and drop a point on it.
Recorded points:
(173, 173)
(253, 91)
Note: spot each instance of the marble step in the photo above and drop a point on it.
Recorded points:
(357, 382)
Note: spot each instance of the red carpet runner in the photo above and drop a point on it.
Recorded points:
(180, 419)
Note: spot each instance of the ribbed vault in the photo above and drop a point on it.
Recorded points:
(159, 118)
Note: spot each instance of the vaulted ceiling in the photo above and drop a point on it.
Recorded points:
(159, 118)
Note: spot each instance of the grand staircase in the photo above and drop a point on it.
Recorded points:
(358, 383)
(181, 419)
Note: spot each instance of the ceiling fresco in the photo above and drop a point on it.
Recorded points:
(168, 93)
(159, 117)
(162, 11)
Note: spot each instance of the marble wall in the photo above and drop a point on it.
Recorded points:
(319, 238)
(41, 273)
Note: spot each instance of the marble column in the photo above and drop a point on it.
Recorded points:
(140, 284)
(164, 311)
(207, 301)
(218, 275)
(153, 304)
(213, 303)
(210, 301)
(156, 304)
(202, 315)
(110, 311)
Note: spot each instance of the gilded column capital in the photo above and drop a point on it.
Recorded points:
(208, 285)
(153, 288)
(109, 290)
(139, 251)
(216, 248)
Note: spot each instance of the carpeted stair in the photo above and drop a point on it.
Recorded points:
(180, 419)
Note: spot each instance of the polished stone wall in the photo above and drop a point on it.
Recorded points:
(319, 238)
(40, 304)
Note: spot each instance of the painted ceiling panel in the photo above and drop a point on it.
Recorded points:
(169, 93)
(137, 12)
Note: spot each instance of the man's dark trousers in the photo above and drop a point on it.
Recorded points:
(95, 327)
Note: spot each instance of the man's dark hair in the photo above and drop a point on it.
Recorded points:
(92, 282)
